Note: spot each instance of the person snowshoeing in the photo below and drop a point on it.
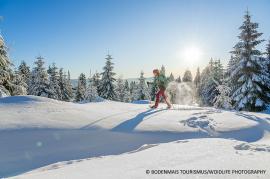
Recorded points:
(162, 84)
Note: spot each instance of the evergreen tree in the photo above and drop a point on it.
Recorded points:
(211, 78)
(54, 83)
(39, 80)
(268, 50)
(162, 70)
(5, 71)
(106, 87)
(132, 90)
(19, 85)
(127, 85)
(171, 78)
(231, 79)
(81, 88)
(267, 59)
(223, 99)
(91, 93)
(65, 86)
(142, 92)
(25, 72)
(197, 79)
(187, 76)
(96, 82)
(178, 80)
(122, 92)
(251, 87)
(127, 92)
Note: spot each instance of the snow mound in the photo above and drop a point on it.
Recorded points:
(36, 131)
(26, 99)
(195, 154)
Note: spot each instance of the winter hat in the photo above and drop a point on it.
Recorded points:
(156, 71)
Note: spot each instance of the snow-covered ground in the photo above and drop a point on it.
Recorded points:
(120, 140)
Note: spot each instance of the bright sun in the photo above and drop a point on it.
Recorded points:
(192, 54)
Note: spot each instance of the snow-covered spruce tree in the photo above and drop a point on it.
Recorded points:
(268, 50)
(142, 92)
(127, 86)
(25, 72)
(5, 71)
(187, 76)
(127, 89)
(54, 83)
(96, 79)
(132, 90)
(197, 79)
(39, 85)
(91, 93)
(19, 85)
(211, 77)
(81, 88)
(267, 59)
(65, 86)
(230, 78)
(106, 87)
(162, 70)
(122, 93)
(251, 87)
(223, 99)
(171, 78)
(178, 80)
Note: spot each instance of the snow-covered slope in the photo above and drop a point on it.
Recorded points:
(180, 156)
(36, 131)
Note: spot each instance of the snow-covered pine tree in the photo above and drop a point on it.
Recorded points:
(70, 86)
(5, 70)
(223, 99)
(132, 90)
(230, 78)
(122, 93)
(171, 78)
(251, 87)
(268, 50)
(162, 70)
(197, 79)
(91, 93)
(96, 81)
(211, 77)
(54, 83)
(106, 87)
(178, 80)
(187, 76)
(65, 86)
(25, 72)
(127, 91)
(142, 92)
(127, 85)
(39, 80)
(81, 88)
(19, 85)
(267, 59)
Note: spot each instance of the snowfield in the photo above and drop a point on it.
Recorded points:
(45, 138)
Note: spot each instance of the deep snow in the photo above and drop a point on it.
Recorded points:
(36, 131)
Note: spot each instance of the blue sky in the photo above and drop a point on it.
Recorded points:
(140, 34)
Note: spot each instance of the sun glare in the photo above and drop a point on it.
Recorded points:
(191, 55)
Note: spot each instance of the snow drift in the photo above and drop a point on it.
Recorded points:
(36, 131)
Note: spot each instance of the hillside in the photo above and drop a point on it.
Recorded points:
(36, 131)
